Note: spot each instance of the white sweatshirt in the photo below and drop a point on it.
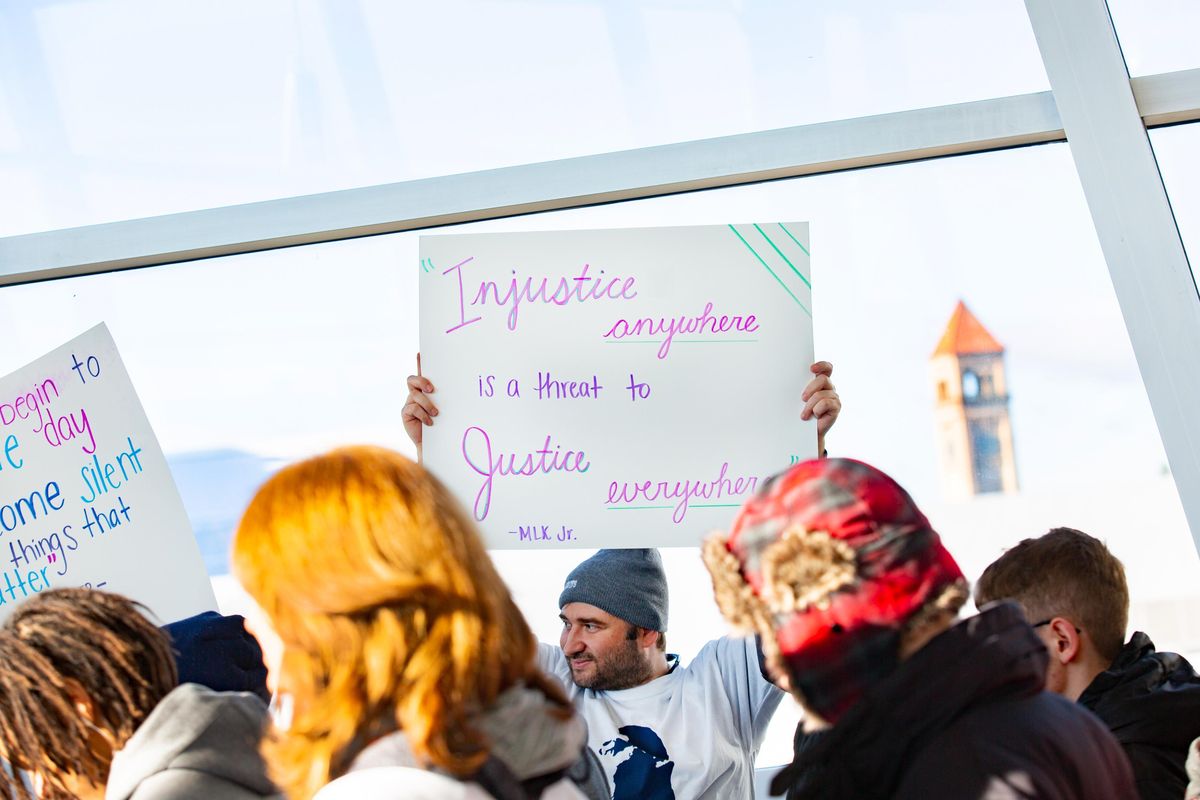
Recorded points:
(692, 734)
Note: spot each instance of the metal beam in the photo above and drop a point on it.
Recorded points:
(1168, 99)
(960, 129)
(1132, 213)
(569, 183)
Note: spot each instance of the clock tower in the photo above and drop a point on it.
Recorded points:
(974, 433)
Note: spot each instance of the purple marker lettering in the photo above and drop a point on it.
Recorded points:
(579, 279)
(484, 495)
(83, 426)
(541, 461)
(669, 327)
(564, 288)
(462, 311)
(581, 287)
(619, 330)
(34, 403)
(683, 491)
(65, 428)
(595, 294)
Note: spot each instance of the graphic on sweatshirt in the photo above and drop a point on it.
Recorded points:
(645, 771)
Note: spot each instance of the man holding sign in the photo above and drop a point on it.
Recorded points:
(663, 731)
(580, 407)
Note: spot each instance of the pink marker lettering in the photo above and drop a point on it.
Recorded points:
(477, 452)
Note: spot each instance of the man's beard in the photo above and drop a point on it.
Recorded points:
(621, 669)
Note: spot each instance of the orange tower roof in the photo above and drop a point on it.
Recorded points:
(965, 335)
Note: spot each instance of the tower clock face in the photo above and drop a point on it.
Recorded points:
(970, 382)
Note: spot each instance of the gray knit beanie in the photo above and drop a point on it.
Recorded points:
(629, 584)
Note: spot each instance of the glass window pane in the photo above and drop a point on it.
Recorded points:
(131, 108)
(289, 352)
(1157, 35)
(242, 362)
(1178, 152)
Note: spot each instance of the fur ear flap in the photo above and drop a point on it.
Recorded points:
(738, 604)
(804, 568)
(934, 614)
(743, 609)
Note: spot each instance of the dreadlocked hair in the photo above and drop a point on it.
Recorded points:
(392, 616)
(55, 645)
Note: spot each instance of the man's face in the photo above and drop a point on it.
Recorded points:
(599, 651)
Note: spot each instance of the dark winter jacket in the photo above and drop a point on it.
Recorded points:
(965, 718)
(1151, 703)
(218, 652)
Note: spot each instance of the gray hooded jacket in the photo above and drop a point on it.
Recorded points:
(195, 743)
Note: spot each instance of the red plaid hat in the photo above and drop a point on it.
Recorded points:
(829, 564)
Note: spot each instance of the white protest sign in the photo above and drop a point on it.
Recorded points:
(615, 388)
(86, 498)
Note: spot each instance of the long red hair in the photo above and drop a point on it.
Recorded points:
(391, 614)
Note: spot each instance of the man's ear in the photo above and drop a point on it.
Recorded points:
(1065, 644)
(647, 637)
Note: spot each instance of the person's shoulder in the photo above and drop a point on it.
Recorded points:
(550, 660)
(410, 783)
(1178, 672)
(1040, 717)
(399, 783)
(1153, 701)
(563, 790)
(728, 655)
(727, 650)
(173, 783)
(731, 664)
(550, 653)
(1046, 735)
(1042, 741)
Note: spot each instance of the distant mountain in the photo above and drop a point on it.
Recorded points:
(216, 486)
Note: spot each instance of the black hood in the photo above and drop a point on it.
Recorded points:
(991, 656)
(1148, 698)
